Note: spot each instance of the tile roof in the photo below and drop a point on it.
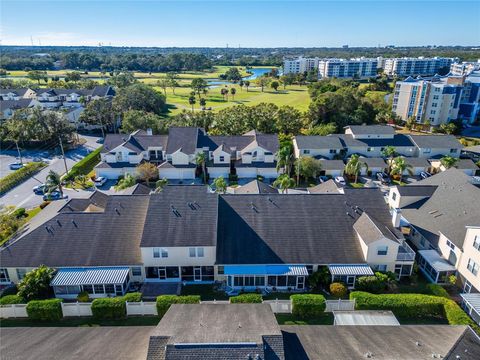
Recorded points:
(436, 141)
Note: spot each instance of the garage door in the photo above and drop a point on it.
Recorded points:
(268, 173)
(109, 173)
(247, 172)
(177, 174)
(217, 172)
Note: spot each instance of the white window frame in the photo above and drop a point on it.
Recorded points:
(5, 275)
(473, 267)
(192, 253)
(164, 253)
(476, 242)
(450, 245)
(156, 253)
(380, 249)
(137, 269)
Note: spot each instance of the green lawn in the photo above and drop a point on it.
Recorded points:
(296, 96)
(32, 212)
(82, 321)
(289, 319)
(206, 292)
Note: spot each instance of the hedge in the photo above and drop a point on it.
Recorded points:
(84, 166)
(109, 308)
(438, 290)
(307, 305)
(13, 179)
(133, 297)
(164, 302)
(11, 299)
(45, 310)
(247, 299)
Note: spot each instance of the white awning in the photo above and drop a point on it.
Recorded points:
(355, 269)
(90, 276)
(433, 258)
(265, 270)
(366, 317)
(472, 299)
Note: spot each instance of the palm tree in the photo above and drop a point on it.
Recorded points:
(233, 91)
(54, 182)
(201, 160)
(285, 159)
(192, 101)
(354, 166)
(399, 166)
(284, 182)
(82, 180)
(247, 84)
(448, 161)
(220, 185)
(160, 184)
(389, 152)
(203, 102)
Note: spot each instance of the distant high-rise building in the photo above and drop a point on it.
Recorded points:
(343, 68)
(464, 68)
(416, 66)
(299, 65)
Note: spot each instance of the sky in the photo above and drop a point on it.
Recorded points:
(244, 23)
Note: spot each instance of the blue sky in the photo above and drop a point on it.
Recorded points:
(239, 23)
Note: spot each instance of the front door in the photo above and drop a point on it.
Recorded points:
(300, 282)
(350, 281)
(467, 287)
(162, 273)
(197, 274)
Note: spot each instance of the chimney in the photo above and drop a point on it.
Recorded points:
(149, 131)
(396, 215)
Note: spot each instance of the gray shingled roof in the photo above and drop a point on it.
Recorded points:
(328, 186)
(371, 230)
(318, 142)
(15, 104)
(419, 190)
(185, 138)
(465, 164)
(332, 164)
(371, 129)
(374, 162)
(255, 187)
(436, 141)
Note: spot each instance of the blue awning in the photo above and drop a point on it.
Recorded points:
(90, 276)
(265, 270)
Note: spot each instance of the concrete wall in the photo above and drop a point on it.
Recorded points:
(179, 256)
(469, 252)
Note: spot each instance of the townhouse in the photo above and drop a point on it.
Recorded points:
(8, 107)
(267, 241)
(416, 66)
(443, 216)
(247, 156)
(359, 68)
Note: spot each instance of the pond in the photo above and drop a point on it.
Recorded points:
(256, 72)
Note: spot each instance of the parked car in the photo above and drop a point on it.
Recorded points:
(425, 174)
(54, 195)
(383, 178)
(99, 140)
(100, 181)
(323, 178)
(340, 180)
(40, 189)
(16, 166)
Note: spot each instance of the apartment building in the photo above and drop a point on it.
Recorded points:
(299, 65)
(470, 100)
(436, 100)
(359, 68)
(420, 66)
(464, 68)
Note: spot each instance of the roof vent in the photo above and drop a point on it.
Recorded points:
(175, 211)
(74, 223)
(368, 355)
(252, 205)
(191, 206)
(59, 223)
(418, 343)
(48, 229)
(118, 212)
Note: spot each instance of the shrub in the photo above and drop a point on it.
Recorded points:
(438, 290)
(45, 310)
(13, 179)
(19, 213)
(247, 299)
(307, 305)
(164, 302)
(11, 299)
(133, 297)
(109, 308)
(84, 166)
(44, 204)
(36, 283)
(454, 313)
(338, 290)
(370, 284)
(232, 178)
(83, 297)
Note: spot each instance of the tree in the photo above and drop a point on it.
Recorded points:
(198, 85)
(241, 83)
(287, 79)
(201, 161)
(73, 76)
(233, 92)
(410, 123)
(220, 185)
(100, 113)
(122, 79)
(247, 84)
(399, 166)
(389, 152)
(307, 167)
(262, 81)
(448, 161)
(137, 119)
(224, 93)
(10, 222)
(322, 129)
(82, 180)
(147, 171)
(192, 101)
(139, 97)
(54, 182)
(172, 79)
(354, 166)
(203, 102)
(233, 74)
(285, 159)
(36, 284)
(275, 85)
(163, 84)
(284, 182)
(160, 184)
(36, 75)
(289, 120)
(127, 181)
(449, 128)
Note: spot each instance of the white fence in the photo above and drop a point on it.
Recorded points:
(77, 309)
(340, 305)
(280, 306)
(141, 308)
(13, 311)
(215, 302)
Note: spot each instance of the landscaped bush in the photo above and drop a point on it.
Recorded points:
(13, 179)
(338, 290)
(20, 212)
(232, 178)
(133, 297)
(438, 290)
(371, 284)
(247, 299)
(307, 305)
(455, 315)
(164, 302)
(84, 166)
(109, 308)
(45, 310)
(83, 297)
(11, 299)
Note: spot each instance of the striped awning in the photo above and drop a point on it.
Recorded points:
(472, 299)
(265, 270)
(355, 269)
(90, 276)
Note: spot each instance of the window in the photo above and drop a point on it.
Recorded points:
(196, 252)
(306, 151)
(156, 252)
(380, 267)
(222, 158)
(259, 281)
(21, 273)
(453, 151)
(136, 271)
(472, 266)
(427, 151)
(98, 289)
(394, 195)
(382, 250)
(370, 149)
(199, 252)
(88, 288)
(191, 251)
(109, 289)
(164, 253)
(4, 275)
(450, 245)
(333, 151)
(221, 270)
(476, 242)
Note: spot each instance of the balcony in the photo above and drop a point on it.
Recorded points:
(405, 252)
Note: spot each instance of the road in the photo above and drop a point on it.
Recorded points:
(22, 195)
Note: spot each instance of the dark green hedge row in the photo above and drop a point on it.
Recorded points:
(438, 290)
(164, 302)
(132, 297)
(109, 308)
(11, 299)
(13, 179)
(247, 299)
(84, 166)
(45, 310)
(307, 305)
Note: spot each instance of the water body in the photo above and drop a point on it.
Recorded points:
(255, 73)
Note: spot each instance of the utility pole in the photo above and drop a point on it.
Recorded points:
(63, 154)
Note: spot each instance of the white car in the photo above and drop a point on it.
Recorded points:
(340, 180)
(16, 166)
(100, 181)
